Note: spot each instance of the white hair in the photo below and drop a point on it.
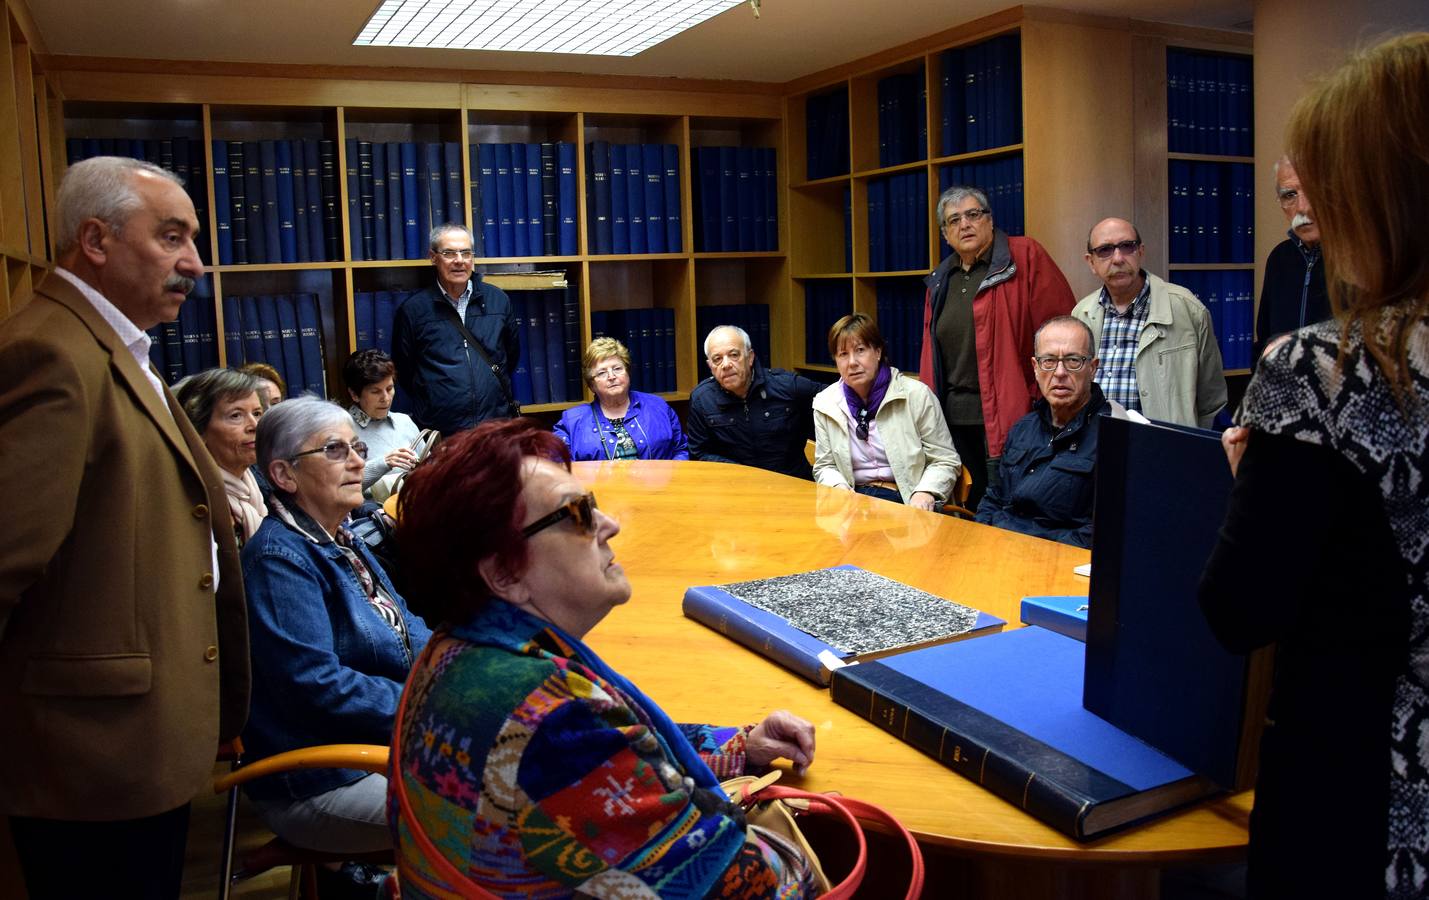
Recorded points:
(436, 234)
(101, 187)
(748, 347)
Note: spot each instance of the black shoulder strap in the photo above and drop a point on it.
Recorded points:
(450, 312)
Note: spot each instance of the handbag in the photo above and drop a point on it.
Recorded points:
(391, 483)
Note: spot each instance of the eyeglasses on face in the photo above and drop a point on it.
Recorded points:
(1049, 363)
(582, 509)
(614, 371)
(1288, 198)
(450, 255)
(1105, 251)
(971, 216)
(335, 450)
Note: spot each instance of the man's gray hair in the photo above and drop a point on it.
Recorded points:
(437, 233)
(101, 187)
(200, 393)
(955, 195)
(1068, 320)
(748, 347)
(287, 426)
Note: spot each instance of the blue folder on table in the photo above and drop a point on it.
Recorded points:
(1064, 615)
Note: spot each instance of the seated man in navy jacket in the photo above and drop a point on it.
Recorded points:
(1046, 468)
(748, 414)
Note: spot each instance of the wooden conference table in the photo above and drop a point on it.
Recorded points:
(694, 523)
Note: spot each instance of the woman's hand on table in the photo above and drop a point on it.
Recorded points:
(782, 735)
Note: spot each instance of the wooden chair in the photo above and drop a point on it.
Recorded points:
(278, 852)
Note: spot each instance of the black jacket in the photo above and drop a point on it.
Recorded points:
(450, 386)
(767, 428)
(1293, 294)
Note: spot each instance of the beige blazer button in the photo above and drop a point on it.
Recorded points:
(205, 581)
(200, 511)
(210, 654)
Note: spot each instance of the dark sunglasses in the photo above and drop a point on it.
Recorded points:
(582, 509)
(1106, 250)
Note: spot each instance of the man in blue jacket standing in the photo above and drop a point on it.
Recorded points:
(748, 414)
(455, 343)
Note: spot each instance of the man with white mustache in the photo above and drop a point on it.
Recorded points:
(1294, 293)
(1159, 354)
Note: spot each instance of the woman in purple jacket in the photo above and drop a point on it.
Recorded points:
(619, 423)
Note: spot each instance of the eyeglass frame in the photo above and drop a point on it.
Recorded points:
(451, 255)
(614, 371)
(1041, 362)
(582, 509)
(973, 216)
(1107, 251)
(358, 447)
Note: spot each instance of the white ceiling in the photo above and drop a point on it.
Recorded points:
(792, 38)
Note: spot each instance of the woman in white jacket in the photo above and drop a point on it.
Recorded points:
(877, 431)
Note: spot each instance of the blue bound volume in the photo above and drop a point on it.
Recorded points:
(535, 235)
(653, 164)
(292, 367)
(555, 344)
(300, 203)
(381, 248)
(332, 224)
(258, 249)
(310, 342)
(396, 231)
(411, 231)
(729, 198)
(535, 338)
(354, 199)
(709, 237)
(1064, 615)
(567, 203)
(521, 375)
(364, 318)
(619, 201)
(223, 212)
(232, 332)
(486, 176)
(550, 209)
(516, 178)
(278, 249)
(598, 166)
(674, 242)
(384, 312)
(744, 187)
(635, 197)
(312, 178)
(451, 164)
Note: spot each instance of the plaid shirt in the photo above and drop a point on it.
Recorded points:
(1120, 334)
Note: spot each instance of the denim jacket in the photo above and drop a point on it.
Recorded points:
(326, 667)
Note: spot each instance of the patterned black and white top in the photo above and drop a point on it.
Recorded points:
(1300, 392)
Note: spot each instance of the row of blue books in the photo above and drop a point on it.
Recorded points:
(549, 367)
(982, 95)
(825, 302)
(902, 124)
(826, 134)
(181, 155)
(372, 316)
(276, 201)
(282, 330)
(1001, 181)
(1208, 103)
(633, 198)
(524, 198)
(1230, 299)
(752, 317)
(900, 320)
(1212, 212)
(188, 345)
(898, 222)
(736, 199)
(649, 335)
(397, 192)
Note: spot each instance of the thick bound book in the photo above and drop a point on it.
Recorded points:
(300, 203)
(521, 375)
(707, 195)
(566, 201)
(653, 166)
(729, 198)
(521, 235)
(1006, 712)
(364, 313)
(380, 232)
(598, 166)
(571, 328)
(484, 218)
(258, 249)
(272, 340)
(1064, 615)
(555, 343)
(253, 350)
(1153, 668)
(385, 306)
(505, 215)
(619, 201)
(354, 199)
(412, 238)
(222, 208)
(332, 224)
(232, 332)
(535, 338)
(451, 171)
(312, 177)
(550, 207)
(744, 192)
(816, 622)
(286, 206)
(431, 158)
(396, 231)
(237, 202)
(535, 203)
(292, 366)
(310, 342)
(670, 155)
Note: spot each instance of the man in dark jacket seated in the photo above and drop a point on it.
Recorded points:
(748, 414)
(1046, 468)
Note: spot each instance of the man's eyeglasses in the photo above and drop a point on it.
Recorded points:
(335, 450)
(608, 372)
(1288, 198)
(971, 216)
(450, 255)
(1049, 363)
(582, 509)
(1106, 250)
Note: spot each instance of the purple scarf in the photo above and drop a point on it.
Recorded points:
(864, 412)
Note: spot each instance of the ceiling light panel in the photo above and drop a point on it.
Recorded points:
(590, 27)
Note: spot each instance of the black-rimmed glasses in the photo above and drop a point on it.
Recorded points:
(335, 450)
(1106, 250)
(1049, 363)
(582, 509)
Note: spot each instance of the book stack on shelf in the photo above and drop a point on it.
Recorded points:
(825, 302)
(1001, 180)
(649, 335)
(181, 155)
(1229, 296)
(190, 344)
(736, 207)
(549, 368)
(826, 118)
(276, 202)
(372, 316)
(1212, 212)
(524, 199)
(898, 223)
(752, 317)
(981, 96)
(397, 192)
(900, 320)
(282, 330)
(1208, 103)
(636, 198)
(902, 125)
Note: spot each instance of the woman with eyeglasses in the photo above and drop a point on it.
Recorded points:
(619, 423)
(877, 431)
(331, 640)
(526, 763)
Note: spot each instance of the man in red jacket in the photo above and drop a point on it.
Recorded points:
(983, 305)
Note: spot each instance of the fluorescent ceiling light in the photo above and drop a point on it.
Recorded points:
(594, 27)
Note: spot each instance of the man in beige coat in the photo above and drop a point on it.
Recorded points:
(1159, 354)
(123, 637)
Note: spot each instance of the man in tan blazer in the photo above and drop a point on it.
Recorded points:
(123, 637)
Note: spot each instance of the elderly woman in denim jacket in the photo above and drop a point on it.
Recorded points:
(332, 641)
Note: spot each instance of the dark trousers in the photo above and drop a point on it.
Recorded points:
(134, 859)
(882, 493)
(971, 443)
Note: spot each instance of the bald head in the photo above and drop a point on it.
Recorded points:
(1114, 255)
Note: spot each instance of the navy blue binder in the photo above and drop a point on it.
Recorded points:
(232, 332)
(431, 188)
(535, 234)
(505, 216)
(535, 338)
(310, 343)
(384, 311)
(298, 172)
(729, 198)
(619, 202)
(268, 186)
(237, 202)
(354, 200)
(284, 203)
(709, 222)
(312, 184)
(451, 165)
(412, 237)
(635, 197)
(653, 166)
(223, 212)
(521, 374)
(272, 336)
(253, 350)
(555, 335)
(332, 224)
(516, 179)
(292, 367)
(486, 217)
(598, 164)
(744, 198)
(571, 330)
(258, 250)
(380, 204)
(396, 230)
(364, 319)
(366, 201)
(567, 202)
(189, 332)
(550, 207)
(670, 155)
